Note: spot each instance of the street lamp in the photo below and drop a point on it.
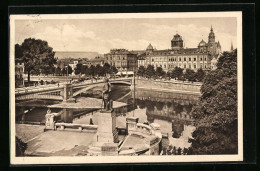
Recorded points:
(67, 72)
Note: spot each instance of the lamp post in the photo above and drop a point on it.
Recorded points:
(67, 72)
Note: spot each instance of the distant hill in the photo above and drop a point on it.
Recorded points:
(76, 55)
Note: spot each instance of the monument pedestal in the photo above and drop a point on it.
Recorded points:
(50, 121)
(106, 139)
(107, 132)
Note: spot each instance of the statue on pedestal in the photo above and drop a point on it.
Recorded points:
(106, 95)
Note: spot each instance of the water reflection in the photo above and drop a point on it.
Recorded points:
(172, 111)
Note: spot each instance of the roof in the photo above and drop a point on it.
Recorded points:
(177, 37)
(121, 52)
(149, 47)
(202, 43)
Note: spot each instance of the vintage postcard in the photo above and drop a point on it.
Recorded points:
(126, 88)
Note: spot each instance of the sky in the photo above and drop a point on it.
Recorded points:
(101, 35)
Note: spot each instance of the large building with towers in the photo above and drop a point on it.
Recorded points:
(179, 56)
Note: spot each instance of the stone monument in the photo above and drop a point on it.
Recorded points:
(49, 121)
(107, 136)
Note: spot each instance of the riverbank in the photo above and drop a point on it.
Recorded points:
(169, 86)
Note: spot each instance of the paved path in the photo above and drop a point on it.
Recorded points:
(60, 143)
(26, 132)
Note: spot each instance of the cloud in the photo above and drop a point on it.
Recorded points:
(72, 36)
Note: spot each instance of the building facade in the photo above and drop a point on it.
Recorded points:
(122, 59)
(178, 56)
(96, 61)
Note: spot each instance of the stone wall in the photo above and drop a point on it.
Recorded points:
(178, 86)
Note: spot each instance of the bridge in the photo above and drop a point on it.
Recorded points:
(63, 91)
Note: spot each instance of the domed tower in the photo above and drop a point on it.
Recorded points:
(202, 46)
(211, 36)
(177, 42)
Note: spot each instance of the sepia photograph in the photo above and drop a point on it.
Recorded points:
(126, 88)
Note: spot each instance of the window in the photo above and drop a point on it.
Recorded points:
(205, 66)
(201, 59)
(184, 65)
(189, 59)
(194, 59)
(194, 65)
(179, 65)
(179, 58)
(169, 59)
(152, 60)
(189, 65)
(184, 59)
(200, 65)
(205, 58)
(164, 66)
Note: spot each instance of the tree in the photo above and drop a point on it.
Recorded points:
(200, 74)
(106, 68)
(99, 70)
(114, 70)
(168, 75)
(69, 70)
(78, 69)
(57, 71)
(141, 71)
(36, 55)
(189, 75)
(150, 71)
(92, 70)
(177, 73)
(160, 72)
(216, 114)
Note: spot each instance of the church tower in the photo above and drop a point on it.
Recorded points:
(177, 42)
(211, 36)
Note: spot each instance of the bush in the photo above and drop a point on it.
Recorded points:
(20, 147)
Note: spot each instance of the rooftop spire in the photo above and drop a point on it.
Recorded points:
(211, 29)
(231, 45)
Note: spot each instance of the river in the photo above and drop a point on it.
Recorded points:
(170, 110)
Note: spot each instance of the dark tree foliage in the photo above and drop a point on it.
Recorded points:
(78, 69)
(92, 70)
(160, 72)
(106, 68)
(99, 70)
(177, 73)
(168, 74)
(189, 75)
(150, 71)
(36, 55)
(114, 70)
(216, 114)
(141, 71)
(20, 147)
(200, 74)
(66, 70)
